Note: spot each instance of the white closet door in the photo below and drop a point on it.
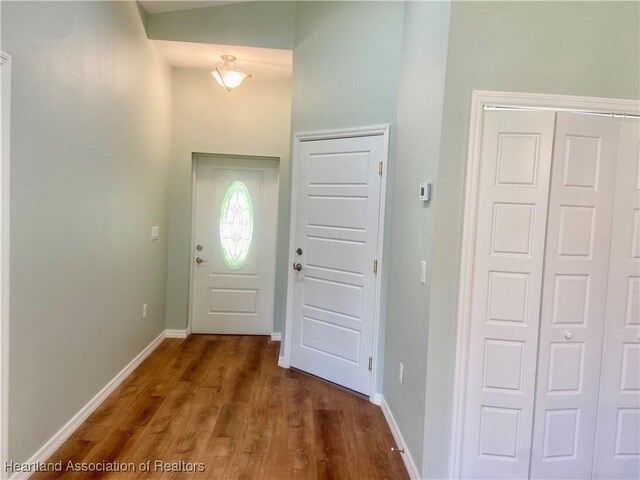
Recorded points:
(574, 295)
(512, 204)
(617, 452)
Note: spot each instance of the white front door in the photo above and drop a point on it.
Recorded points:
(234, 250)
(574, 295)
(617, 445)
(512, 201)
(336, 237)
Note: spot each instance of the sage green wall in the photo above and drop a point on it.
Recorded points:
(421, 91)
(345, 75)
(89, 160)
(346, 67)
(251, 24)
(576, 48)
(254, 119)
(346, 63)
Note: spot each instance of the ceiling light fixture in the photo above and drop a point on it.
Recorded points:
(228, 75)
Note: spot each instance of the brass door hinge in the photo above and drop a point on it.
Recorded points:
(375, 266)
(380, 168)
(370, 363)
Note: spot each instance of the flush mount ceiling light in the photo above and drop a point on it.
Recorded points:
(228, 75)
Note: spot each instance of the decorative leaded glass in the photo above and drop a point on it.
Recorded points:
(236, 224)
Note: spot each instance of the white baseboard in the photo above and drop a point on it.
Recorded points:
(281, 362)
(177, 333)
(395, 431)
(376, 399)
(72, 425)
(276, 336)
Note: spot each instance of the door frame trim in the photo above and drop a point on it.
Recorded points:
(5, 62)
(192, 253)
(298, 138)
(511, 100)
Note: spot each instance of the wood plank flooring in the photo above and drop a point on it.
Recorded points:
(222, 401)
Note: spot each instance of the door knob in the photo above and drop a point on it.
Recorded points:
(568, 334)
(299, 251)
(200, 260)
(297, 267)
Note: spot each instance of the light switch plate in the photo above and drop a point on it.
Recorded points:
(423, 272)
(145, 311)
(155, 233)
(425, 191)
(401, 373)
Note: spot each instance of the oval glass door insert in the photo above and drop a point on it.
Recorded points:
(236, 224)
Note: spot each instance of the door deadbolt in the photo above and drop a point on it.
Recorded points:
(199, 247)
(297, 267)
(299, 251)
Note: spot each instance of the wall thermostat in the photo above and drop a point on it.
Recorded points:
(425, 192)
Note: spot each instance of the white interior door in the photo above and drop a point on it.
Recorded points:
(512, 200)
(574, 295)
(234, 249)
(617, 446)
(333, 295)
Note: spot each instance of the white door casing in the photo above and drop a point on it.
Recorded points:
(574, 294)
(334, 296)
(233, 286)
(5, 120)
(617, 446)
(514, 171)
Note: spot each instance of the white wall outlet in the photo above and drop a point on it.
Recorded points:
(145, 311)
(155, 233)
(401, 373)
(423, 272)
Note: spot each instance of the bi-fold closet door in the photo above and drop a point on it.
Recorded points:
(553, 350)
(574, 295)
(617, 444)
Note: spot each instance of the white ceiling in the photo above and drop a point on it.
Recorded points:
(256, 61)
(161, 6)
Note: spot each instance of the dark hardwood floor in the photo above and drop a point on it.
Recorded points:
(223, 402)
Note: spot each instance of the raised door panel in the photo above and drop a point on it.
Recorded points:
(574, 295)
(617, 451)
(511, 210)
(561, 432)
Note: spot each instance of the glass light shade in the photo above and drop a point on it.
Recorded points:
(228, 75)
